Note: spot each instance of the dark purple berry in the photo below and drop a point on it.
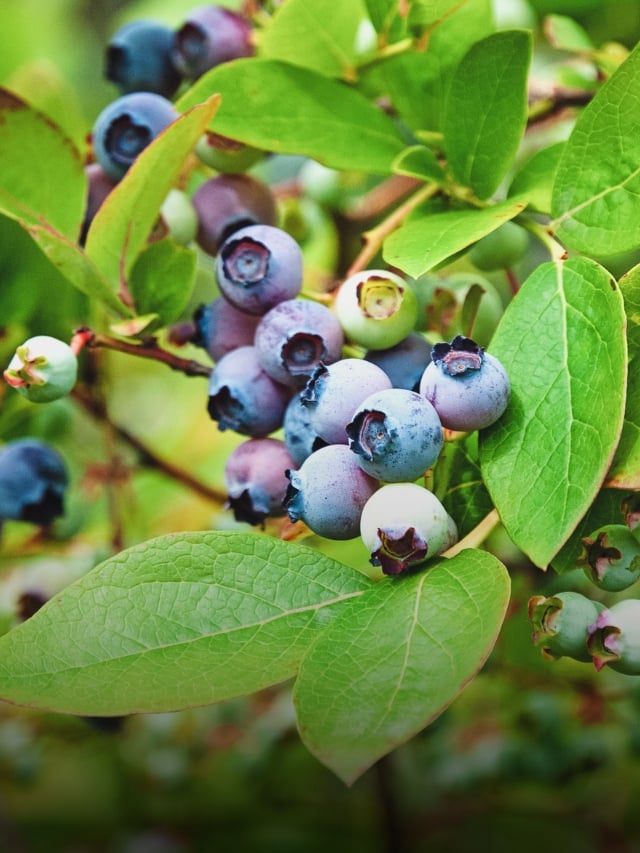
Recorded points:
(99, 187)
(221, 328)
(255, 479)
(209, 36)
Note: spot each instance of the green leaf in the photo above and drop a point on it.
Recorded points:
(418, 161)
(124, 221)
(625, 469)
(535, 178)
(181, 620)
(162, 279)
(42, 181)
(426, 239)
(486, 110)
(425, 13)
(395, 659)
(289, 110)
(416, 82)
(315, 34)
(596, 194)
(564, 33)
(383, 13)
(562, 343)
(458, 483)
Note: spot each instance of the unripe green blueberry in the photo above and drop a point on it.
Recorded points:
(42, 369)
(611, 557)
(500, 249)
(614, 638)
(226, 155)
(560, 624)
(376, 308)
(179, 216)
(403, 525)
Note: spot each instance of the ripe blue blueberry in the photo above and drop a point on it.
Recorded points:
(209, 36)
(33, 482)
(243, 398)
(396, 435)
(405, 362)
(335, 391)
(560, 624)
(299, 435)
(255, 479)
(259, 266)
(138, 59)
(42, 369)
(468, 388)
(614, 638)
(221, 327)
(294, 337)
(328, 492)
(126, 126)
(376, 308)
(226, 203)
(611, 557)
(403, 525)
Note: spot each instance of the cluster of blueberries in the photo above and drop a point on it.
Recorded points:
(358, 433)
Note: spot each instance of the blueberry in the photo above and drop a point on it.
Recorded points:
(294, 337)
(243, 398)
(226, 203)
(255, 479)
(209, 36)
(221, 328)
(138, 59)
(468, 388)
(299, 435)
(43, 369)
(178, 216)
(126, 126)
(226, 155)
(403, 525)
(560, 624)
(396, 435)
(405, 362)
(611, 557)
(335, 391)
(614, 638)
(328, 492)
(99, 186)
(376, 308)
(33, 481)
(259, 266)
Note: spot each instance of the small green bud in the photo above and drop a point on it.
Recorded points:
(42, 369)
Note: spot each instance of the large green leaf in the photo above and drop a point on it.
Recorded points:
(315, 34)
(596, 195)
(181, 620)
(290, 110)
(485, 110)
(124, 221)
(42, 181)
(562, 343)
(426, 239)
(395, 659)
(535, 178)
(625, 470)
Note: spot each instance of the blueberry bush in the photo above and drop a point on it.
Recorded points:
(285, 211)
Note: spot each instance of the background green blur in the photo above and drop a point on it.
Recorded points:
(533, 755)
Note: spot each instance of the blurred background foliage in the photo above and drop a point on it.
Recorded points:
(532, 755)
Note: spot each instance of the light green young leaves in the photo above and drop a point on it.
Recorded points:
(395, 659)
(596, 195)
(562, 341)
(181, 620)
(486, 110)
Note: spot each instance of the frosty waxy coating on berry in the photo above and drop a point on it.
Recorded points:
(403, 525)
(294, 337)
(42, 369)
(243, 398)
(255, 479)
(560, 624)
(299, 435)
(209, 36)
(614, 638)
(376, 308)
(611, 557)
(328, 492)
(396, 435)
(221, 327)
(405, 362)
(334, 392)
(33, 482)
(258, 267)
(468, 388)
